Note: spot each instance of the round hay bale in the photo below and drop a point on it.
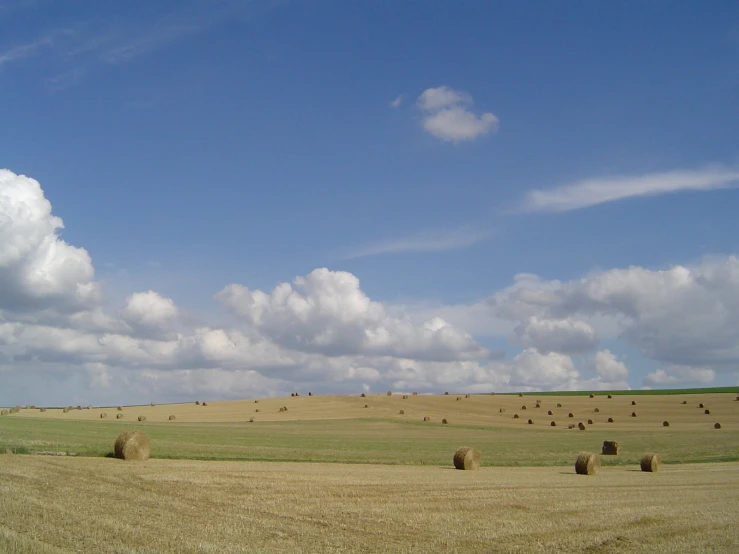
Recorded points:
(65, 410)
(700, 405)
(559, 405)
(362, 395)
(415, 394)
(132, 445)
(665, 423)
(684, 402)
(142, 418)
(466, 395)
(292, 394)
(79, 407)
(650, 462)
(3, 412)
(609, 396)
(520, 395)
(172, 418)
(587, 464)
(611, 448)
(405, 397)
(257, 401)
(550, 412)
(581, 426)
(523, 407)
(459, 398)
(197, 402)
(89, 407)
(366, 406)
(401, 412)
(610, 420)
(707, 412)
(444, 421)
(103, 415)
(537, 406)
(426, 418)
(310, 394)
(119, 416)
(571, 426)
(737, 398)
(515, 416)
(717, 426)
(502, 410)
(633, 402)
(446, 394)
(467, 458)
(119, 408)
(205, 403)
(251, 420)
(42, 410)
(592, 396)
(570, 415)
(530, 422)
(590, 422)
(389, 393)
(596, 410)
(633, 414)
(152, 404)
(34, 407)
(553, 424)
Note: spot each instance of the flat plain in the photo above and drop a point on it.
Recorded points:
(380, 481)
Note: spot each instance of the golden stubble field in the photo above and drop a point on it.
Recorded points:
(97, 504)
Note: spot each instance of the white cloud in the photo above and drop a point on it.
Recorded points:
(150, 312)
(429, 241)
(26, 50)
(609, 368)
(397, 102)
(563, 335)
(446, 115)
(680, 375)
(534, 370)
(592, 192)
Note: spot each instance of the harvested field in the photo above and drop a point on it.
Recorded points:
(193, 507)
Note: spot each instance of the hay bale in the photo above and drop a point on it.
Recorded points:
(103, 415)
(197, 402)
(292, 394)
(707, 412)
(590, 422)
(537, 406)
(415, 394)
(665, 423)
(559, 405)
(389, 393)
(633, 414)
(633, 402)
(581, 426)
(570, 415)
(717, 426)
(132, 445)
(405, 397)
(152, 404)
(520, 395)
(401, 412)
(172, 418)
(89, 407)
(79, 407)
(33, 407)
(609, 396)
(684, 402)
(142, 418)
(119, 408)
(502, 410)
(592, 396)
(467, 458)
(587, 464)
(596, 410)
(282, 409)
(611, 448)
(444, 421)
(426, 418)
(700, 405)
(459, 398)
(553, 424)
(251, 420)
(446, 394)
(530, 422)
(65, 410)
(610, 420)
(650, 462)
(550, 412)
(205, 403)
(310, 393)
(362, 395)
(366, 406)
(119, 416)
(466, 395)
(523, 407)
(515, 416)
(42, 410)
(571, 426)
(3, 412)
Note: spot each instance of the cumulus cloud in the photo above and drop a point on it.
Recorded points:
(447, 115)
(150, 312)
(327, 312)
(609, 368)
(533, 370)
(680, 375)
(397, 102)
(38, 270)
(564, 335)
(592, 192)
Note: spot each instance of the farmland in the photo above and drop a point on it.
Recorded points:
(329, 474)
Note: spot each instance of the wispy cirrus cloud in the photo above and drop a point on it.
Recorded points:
(592, 192)
(426, 241)
(27, 50)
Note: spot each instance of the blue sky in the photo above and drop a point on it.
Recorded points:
(425, 153)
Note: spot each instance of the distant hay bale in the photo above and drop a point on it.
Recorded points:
(515, 416)
(152, 404)
(559, 405)
(717, 426)
(257, 401)
(42, 410)
(467, 458)
(256, 410)
(530, 422)
(466, 395)
(633, 402)
(282, 409)
(590, 422)
(610, 420)
(502, 410)
(700, 405)
(611, 448)
(426, 418)
(684, 402)
(366, 406)
(707, 412)
(537, 406)
(609, 396)
(33, 407)
(172, 418)
(665, 423)
(142, 418)
(444, 421)
(581, 426)
(119, 416)
(459, 398)
(405, 397)
(415, 394)
(197, 402)
(571, 426)
(297, 394)
(362, 395)
(401, 412)
(65, 410)
(3, 412)
(119, 408)
(520, 395)
(205, 403)
(251, 420)
(592, 396)
(103, 415)
(650, 462)
(550, 412)
(596, 410)
(292, 394)
(587, 464)
(633, 414)
(310, 394)
(79, 407)
(523, 407)
(446, 394)
(553, 424)
(570, 415)
(389, 393)
(132, 445)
